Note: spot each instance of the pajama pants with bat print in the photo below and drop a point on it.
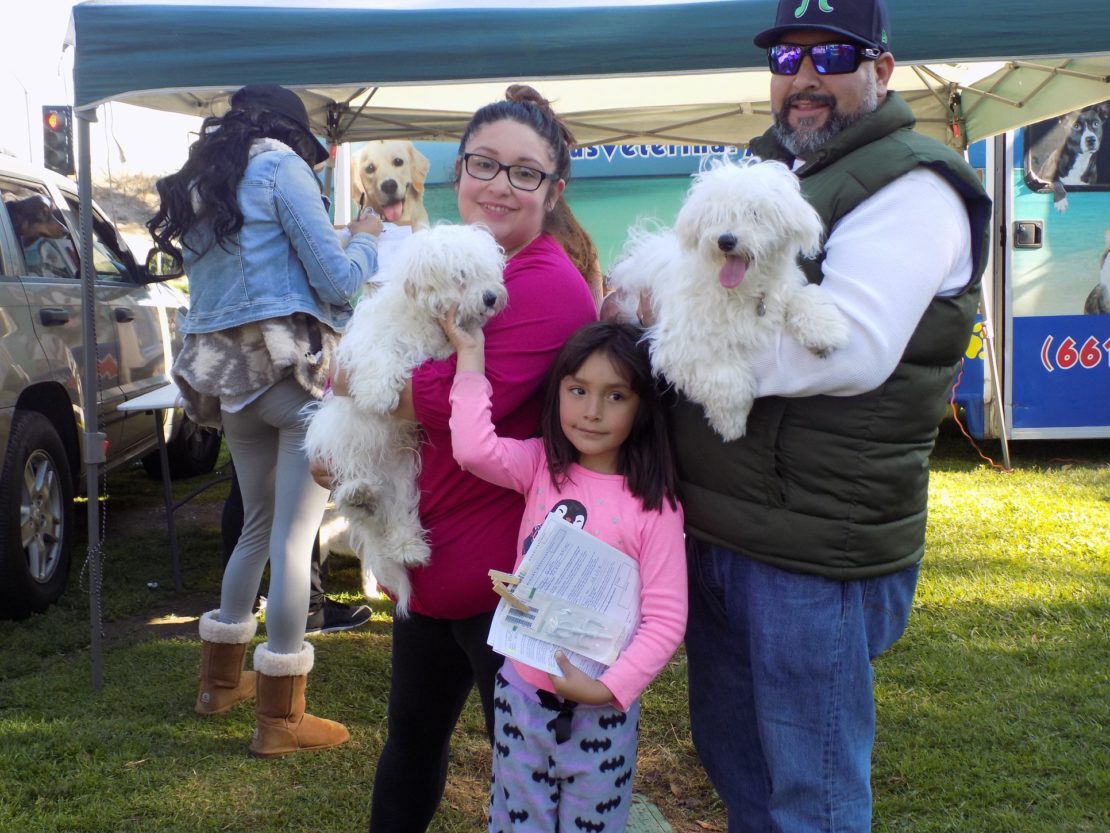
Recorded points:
(557, 766)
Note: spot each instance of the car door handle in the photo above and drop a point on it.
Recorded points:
(123, 314)
(53, 316)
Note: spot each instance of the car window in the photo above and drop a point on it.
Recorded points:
(48, 248)
(111, 260)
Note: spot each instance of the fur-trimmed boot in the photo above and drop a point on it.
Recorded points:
(283, 726)
(223, 682)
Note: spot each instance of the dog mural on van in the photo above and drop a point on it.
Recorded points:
(1066, 162)
(1098, 302)
(1069, 153)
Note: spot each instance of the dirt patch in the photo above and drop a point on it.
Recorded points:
(169, 615)
(176, 618)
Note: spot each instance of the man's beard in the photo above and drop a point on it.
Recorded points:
(803, 142)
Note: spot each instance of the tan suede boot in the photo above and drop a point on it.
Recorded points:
(283, 726)
(223, 682)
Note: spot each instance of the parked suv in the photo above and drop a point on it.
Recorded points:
(42, 356)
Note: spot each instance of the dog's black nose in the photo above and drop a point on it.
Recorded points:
(389, 186)
(489, 298)
(726, 242)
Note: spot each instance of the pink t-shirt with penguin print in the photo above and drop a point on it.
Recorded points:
(601, 505)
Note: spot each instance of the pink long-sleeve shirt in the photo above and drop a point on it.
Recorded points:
(472, 524)
(606, 509)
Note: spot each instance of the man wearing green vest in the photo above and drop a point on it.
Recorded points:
(805, 536)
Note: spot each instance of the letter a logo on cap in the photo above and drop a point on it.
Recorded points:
(823, 5)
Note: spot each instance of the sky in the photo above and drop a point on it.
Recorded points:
(34, 71)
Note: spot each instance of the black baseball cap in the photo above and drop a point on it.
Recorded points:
(862, 21)
(278, 100)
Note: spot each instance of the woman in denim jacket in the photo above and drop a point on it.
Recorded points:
(270, 287)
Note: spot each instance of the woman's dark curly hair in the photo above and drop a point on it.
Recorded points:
(204, 190)
(645, 459)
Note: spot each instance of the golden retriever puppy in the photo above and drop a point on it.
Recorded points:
(388, 176)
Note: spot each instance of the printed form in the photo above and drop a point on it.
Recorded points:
(583, 596)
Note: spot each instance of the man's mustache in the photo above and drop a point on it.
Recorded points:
(822, 99)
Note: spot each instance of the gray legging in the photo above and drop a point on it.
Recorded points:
(282, 510)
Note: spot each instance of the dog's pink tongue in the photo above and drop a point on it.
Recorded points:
(392, 212)
(732, 273)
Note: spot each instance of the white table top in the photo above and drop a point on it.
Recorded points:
(167, 396)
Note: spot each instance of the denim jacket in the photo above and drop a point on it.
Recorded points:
(286, 258)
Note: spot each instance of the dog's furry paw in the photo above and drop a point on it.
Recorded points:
(731, 426)
(391, 577)
(414, 553)
(731, 420)
(816, 322)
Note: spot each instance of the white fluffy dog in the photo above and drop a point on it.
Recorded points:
(371, 454)
(724, 280)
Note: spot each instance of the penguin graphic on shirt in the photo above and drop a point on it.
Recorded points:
(571, 511)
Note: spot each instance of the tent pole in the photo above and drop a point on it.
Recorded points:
(987, 331)
(1063, 70)
(94, 440)
(989, 299)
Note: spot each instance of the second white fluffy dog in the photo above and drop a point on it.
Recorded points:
(725, 280)
(372, 455)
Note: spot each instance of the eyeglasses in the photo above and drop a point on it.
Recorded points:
(521, 177)
(828, 58)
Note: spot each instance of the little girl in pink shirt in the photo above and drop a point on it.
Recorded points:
(565, 746)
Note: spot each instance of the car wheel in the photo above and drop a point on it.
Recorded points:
(192, 451)
(36, 517)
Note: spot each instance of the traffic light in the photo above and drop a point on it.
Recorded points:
(57, 139)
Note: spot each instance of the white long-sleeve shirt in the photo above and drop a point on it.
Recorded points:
(885, 261)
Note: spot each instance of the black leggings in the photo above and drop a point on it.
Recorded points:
(435, 664)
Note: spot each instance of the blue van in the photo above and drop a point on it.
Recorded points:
(1045, 374)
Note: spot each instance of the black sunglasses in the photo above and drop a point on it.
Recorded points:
(828, 58)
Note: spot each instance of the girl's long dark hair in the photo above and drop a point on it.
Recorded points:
(645, 459)
(204, 190)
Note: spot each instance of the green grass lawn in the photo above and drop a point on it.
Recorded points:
(993, 709)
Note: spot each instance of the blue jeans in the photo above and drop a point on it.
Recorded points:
(781, 702)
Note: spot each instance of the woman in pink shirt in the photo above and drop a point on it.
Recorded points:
(514, 160)
(565, 745)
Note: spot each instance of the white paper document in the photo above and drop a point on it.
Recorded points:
(389, 241)
(583, 597)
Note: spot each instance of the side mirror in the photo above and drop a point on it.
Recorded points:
(161, 266)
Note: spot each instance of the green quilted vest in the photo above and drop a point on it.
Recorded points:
(838, 486)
